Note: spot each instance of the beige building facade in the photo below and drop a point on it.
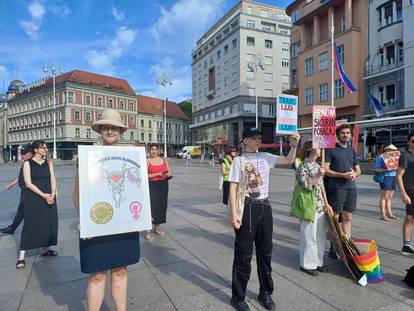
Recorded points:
(311, 55)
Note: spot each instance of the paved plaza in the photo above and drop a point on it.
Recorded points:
(190, 268)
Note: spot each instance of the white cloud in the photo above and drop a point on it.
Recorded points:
(180, 27)
(61, 10)
(4, 79)
(32, 27)
(104, 59)
(118, 15)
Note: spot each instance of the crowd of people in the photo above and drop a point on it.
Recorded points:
(326, 188)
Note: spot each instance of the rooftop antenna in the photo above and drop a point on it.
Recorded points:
(17, 71)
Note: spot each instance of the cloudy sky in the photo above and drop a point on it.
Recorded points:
(135, 40)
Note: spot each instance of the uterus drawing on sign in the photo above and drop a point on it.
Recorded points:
(116, 181)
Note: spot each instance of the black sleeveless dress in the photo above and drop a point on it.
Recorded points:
(40, 227)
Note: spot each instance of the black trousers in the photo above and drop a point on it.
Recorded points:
(19, 215)
(257, 228)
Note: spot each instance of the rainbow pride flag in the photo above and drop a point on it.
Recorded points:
(368, 262)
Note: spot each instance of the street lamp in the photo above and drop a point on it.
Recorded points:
(53, 71)
(164, 82)
(256, 62)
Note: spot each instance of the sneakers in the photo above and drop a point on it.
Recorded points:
(322, 269)
(7, 230)
(239, 305)
(313, 272)
(407, 250)
(267, 301)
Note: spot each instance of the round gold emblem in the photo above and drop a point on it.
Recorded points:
(101, 213)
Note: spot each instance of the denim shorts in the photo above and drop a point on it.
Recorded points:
(389, 183)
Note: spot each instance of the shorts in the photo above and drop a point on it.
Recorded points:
(389, 183)
(409, 209)
(343, 200)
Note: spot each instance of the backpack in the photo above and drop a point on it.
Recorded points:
(409, 278)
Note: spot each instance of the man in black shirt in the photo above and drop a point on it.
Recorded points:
(342, 168)
(26, 153)
(405, 181)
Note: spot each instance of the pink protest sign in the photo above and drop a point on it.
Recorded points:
(391, 159)
(323, 127)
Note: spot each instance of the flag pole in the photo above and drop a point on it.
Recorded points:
(332, 60)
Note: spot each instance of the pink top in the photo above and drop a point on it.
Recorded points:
(154, 169)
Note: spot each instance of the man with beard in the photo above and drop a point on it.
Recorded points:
(342, 168)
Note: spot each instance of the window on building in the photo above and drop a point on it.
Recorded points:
(142, 123)
(339, 89)
(150, 137)
(343, 23)
(70, 97)
(212, 79)
(264, 13)
(88, 116)
(250, 23)
(77, 115)
(390, 94)
(99, 116)
(294, 78)
(309, 66)
(268, 93)
(250, 41)
(99, 103)
(88, 133)
(211, 59)
(267, 28)
(218, 54)
(381, 56)
(142, 137)
(400, 52)
(110, 103)
(249, 10)
(268, 44)
(234, 43)
(77, 132)
(149, 124)
(285, 46)
(87, 100)
(122, 104)
(251, 91)
(131, 106)
(323, 61)
(294, 50)
(341, 53)
(381, 95)
(250, 74)
(323, 92)
(226, 49)
(309, 96)
(268, 60)
(388, 14)
(283, 30)
(390, 54)
(285, 63)
(226, 81)
(249, 108)
(268, 77)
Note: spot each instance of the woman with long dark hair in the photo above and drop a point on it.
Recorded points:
(40, 216)
(158, 174)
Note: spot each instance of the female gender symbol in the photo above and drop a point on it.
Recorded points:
(135, 208)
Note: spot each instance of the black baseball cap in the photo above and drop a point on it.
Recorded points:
(251, 132)
(25, 149)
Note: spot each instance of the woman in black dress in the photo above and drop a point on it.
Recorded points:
(112, 253)
(40, 216)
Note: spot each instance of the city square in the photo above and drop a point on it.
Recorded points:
(190, 268)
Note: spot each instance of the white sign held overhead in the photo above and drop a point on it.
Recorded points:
(114, 192)
(286, 114)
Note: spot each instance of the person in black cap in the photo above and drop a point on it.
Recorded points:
(26, 152)
(252, 216)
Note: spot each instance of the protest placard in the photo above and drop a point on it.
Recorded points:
(113, 189)
(323, 127)
(287, 114)
(391, 159)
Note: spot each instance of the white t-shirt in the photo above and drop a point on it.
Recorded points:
(255, 170)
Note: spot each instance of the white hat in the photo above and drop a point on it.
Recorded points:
(109, 117)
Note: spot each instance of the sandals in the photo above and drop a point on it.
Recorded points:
(384, 218)
(50, 253)
(20, 264)
(393, 217)
(160, 232)
(148, 236)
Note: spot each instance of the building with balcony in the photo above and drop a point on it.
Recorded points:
(310, 55)
(244, 55)
(388, 68)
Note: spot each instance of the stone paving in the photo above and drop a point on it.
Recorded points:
(190, 268)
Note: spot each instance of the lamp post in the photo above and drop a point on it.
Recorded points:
(53, 71)
(164, 81)
(255, 64)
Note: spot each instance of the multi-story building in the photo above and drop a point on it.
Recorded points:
(244, 55)
(80, 99)
(387, 67)
(151, 124)
(3, 127)
(310, 48)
